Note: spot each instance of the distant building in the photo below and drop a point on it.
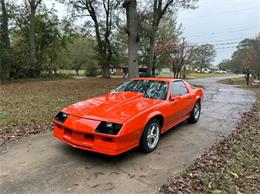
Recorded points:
(214, 69)
(116, 71)
(196, 70)
(210, 69)
(166, 70)
(124, 71)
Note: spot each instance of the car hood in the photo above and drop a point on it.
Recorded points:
(117, 107)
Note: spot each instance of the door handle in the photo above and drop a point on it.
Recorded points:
(189, 99)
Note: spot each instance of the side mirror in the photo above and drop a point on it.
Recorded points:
(174, 97)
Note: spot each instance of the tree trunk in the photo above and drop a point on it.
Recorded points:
(131, 13)
(32, 59)
(158, 12)
(153, 65)
(174, 70)
(105, 71)
(50, 70)
(5, 45)
(247, 76)
(151, 56)
(184, 72)
(55, 70)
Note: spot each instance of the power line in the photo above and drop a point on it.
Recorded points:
(225, 47)
(216, 44)
(219, 44)
(223, 31)
(227, 12)
(222, 40)
(230, 43)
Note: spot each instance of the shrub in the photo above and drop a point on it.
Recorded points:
(91, 70)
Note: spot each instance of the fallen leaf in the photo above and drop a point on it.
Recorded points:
(216, 191)
(234, 174)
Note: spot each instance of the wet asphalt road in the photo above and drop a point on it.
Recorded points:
(42, 164)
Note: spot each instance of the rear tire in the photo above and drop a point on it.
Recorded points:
(151, 136)
(195, 115)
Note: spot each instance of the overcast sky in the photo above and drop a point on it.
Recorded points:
(221, 22)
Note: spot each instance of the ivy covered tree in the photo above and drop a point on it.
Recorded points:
(133, 39)
(32, 8)
(5, 48)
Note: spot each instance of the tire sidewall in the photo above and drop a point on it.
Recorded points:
(193, 114)
(144, 142)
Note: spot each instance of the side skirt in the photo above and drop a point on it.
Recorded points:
(175, 123)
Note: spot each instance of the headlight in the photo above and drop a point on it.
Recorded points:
(61, 117)
(109, 128)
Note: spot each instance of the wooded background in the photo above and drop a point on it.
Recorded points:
(35, 42)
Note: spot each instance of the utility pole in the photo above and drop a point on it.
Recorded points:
(184, 65)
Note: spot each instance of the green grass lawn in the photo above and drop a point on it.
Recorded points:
(28, 107)
(194, 75)
(204, 75)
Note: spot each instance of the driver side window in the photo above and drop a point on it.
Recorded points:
(178, 87)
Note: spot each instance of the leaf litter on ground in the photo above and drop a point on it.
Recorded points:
(28, 107)
(230, 166)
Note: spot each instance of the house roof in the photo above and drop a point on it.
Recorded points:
(213, 67)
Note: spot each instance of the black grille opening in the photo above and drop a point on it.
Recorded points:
(89, 137)
(58, 126)
(107, 139)
(67, 131)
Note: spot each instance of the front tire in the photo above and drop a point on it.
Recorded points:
(151, 136)
(195, 115)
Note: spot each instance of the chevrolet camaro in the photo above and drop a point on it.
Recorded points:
(134, 114)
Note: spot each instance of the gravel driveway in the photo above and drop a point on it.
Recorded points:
(42, 164)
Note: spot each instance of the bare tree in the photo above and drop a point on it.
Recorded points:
(159, 9)
(132, 26)
(33, 4)
(179, 54)
(101, 13)
(5, 45)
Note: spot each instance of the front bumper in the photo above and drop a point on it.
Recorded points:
(80, 133)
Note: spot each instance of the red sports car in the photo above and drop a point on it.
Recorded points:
(134, 114)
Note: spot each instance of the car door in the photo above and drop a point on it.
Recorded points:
(180, 106)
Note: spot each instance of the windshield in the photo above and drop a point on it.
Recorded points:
(150, 88)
